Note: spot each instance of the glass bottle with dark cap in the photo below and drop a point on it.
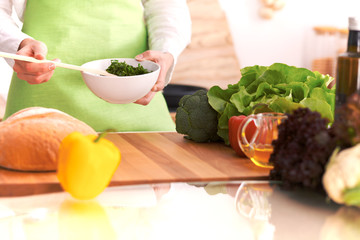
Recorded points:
(348, 65)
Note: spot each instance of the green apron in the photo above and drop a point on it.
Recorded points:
(77, 32)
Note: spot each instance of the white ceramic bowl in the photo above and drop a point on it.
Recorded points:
(121, 89)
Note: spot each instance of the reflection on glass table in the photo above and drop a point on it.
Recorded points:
(216, 210)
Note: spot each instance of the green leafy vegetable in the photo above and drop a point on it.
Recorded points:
(196, 119)
(277, 88)
(124, 69)
(302, 150)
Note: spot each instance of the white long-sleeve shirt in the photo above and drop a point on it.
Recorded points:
(168, 23)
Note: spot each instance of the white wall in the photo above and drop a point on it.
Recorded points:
(284, 38)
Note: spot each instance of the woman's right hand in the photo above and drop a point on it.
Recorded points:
(33, 73)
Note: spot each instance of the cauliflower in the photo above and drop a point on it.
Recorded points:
(341, 179)
(196, 119)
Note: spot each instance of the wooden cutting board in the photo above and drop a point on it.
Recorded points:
(153, 157)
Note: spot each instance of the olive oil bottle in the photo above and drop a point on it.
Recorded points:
(348, 65)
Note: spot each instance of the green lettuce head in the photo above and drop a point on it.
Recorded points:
(277, 88)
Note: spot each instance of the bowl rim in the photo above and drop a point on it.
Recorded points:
(158, 67)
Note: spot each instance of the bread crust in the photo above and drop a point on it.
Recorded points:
(30, 138)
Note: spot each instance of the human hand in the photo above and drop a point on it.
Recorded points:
(33, 73)
(165, 60)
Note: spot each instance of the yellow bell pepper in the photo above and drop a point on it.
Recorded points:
(86, 164)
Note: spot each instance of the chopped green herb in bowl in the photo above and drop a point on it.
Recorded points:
(132, 79)
(124, 69)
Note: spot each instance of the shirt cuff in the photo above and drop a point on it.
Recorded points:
(169, 27)
(10, 43)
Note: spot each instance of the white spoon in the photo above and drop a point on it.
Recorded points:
(57, 64)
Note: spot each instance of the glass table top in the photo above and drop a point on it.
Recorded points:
(216, 210)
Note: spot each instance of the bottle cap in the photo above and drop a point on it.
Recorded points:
(354, 23)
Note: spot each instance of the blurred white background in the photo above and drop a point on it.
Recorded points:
(283, 38)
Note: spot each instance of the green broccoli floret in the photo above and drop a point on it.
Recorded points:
(196, 119)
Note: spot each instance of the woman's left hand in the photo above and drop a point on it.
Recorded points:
(165, 60)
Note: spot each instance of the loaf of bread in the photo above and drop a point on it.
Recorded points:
(30, 138)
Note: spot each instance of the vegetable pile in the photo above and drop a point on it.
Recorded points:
(277, 88)
(308, 154)
(124, 69)
(314, 150)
